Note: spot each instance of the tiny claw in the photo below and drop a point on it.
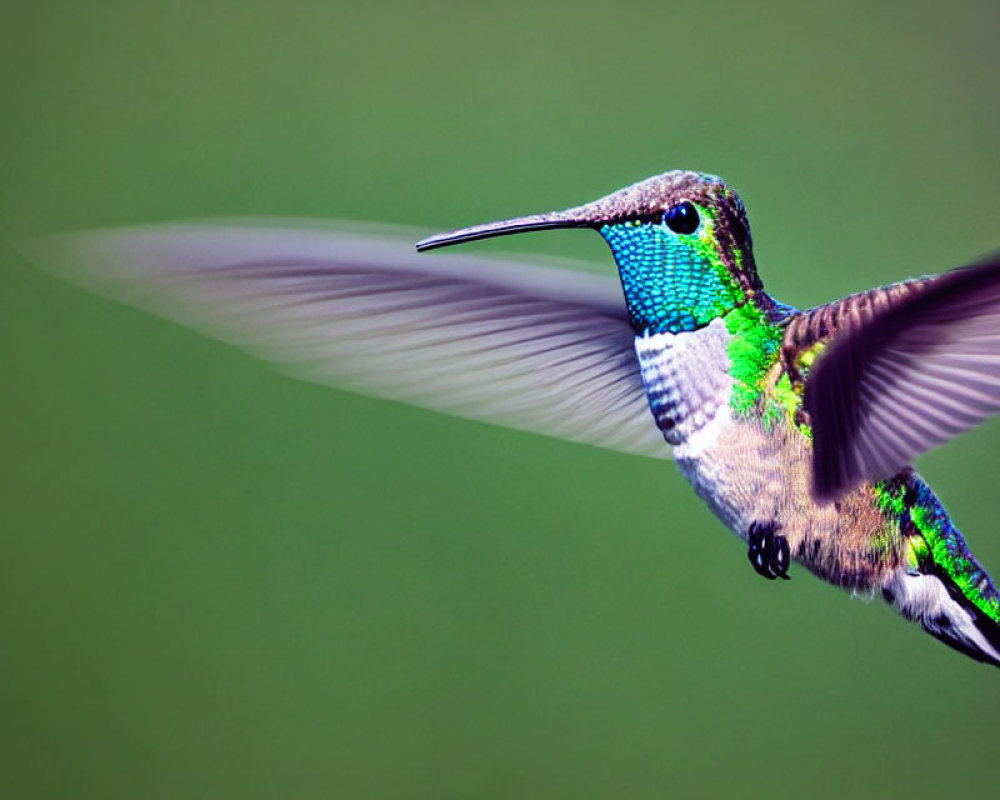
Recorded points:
(756, 557)
(781, 557)
(768, 552)
(758, 545)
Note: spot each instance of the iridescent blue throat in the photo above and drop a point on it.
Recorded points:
(671, 281)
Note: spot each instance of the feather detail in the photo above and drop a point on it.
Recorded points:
(908, 368)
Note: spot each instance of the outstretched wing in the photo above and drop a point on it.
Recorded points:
(540, 349)
(907, 368)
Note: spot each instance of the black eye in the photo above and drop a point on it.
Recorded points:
(682, 218)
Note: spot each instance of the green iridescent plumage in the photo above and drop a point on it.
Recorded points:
(672, 282)
(935, 542)
(680, 282)
(753, 351)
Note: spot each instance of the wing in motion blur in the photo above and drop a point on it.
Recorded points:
(535, 348)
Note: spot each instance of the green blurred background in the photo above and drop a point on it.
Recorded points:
(219, 582)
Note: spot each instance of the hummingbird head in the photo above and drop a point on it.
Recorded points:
(681, 241)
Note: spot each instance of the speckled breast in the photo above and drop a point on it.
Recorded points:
(688, 386)
(686, 376)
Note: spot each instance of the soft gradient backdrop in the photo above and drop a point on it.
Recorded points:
(218, 582)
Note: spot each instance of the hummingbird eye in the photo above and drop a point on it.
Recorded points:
(682, 218)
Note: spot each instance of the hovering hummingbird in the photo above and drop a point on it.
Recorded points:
(797, 428)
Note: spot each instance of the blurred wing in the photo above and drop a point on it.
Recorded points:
(905, 378)
(534, 348)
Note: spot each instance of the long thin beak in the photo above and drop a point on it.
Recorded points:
(571, 218)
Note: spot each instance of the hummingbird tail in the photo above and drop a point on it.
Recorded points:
(934, 600)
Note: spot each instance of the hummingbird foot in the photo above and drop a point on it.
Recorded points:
(768, 551)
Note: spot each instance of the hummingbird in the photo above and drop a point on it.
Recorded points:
(797, 428)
